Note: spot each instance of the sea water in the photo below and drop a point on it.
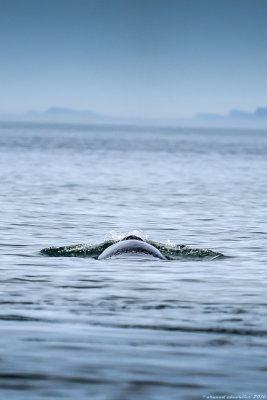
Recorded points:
(74, 327)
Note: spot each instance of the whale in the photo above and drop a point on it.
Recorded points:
(131, 246)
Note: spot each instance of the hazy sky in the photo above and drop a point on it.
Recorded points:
(165, 58)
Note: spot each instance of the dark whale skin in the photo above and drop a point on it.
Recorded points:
(133, 247)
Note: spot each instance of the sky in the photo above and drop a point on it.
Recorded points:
(143, 58)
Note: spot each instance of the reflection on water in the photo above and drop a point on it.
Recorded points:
(75, 327)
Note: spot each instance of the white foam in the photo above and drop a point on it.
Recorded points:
(116, 236)
(171, 244)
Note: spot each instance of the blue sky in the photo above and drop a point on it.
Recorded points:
(148, 58)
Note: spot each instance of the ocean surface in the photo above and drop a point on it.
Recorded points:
(74, 327)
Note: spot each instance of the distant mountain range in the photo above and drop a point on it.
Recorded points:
(234, 119)
(259, 113)
(65, 114)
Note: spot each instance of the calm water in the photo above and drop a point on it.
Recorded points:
(79, 328)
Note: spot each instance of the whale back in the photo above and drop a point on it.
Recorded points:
(131, 246)
(132, 237)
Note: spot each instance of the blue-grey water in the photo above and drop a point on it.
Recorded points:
(73, 327)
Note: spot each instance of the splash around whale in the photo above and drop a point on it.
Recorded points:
(135, 243)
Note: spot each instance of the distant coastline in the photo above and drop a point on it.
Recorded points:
(234, 119)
